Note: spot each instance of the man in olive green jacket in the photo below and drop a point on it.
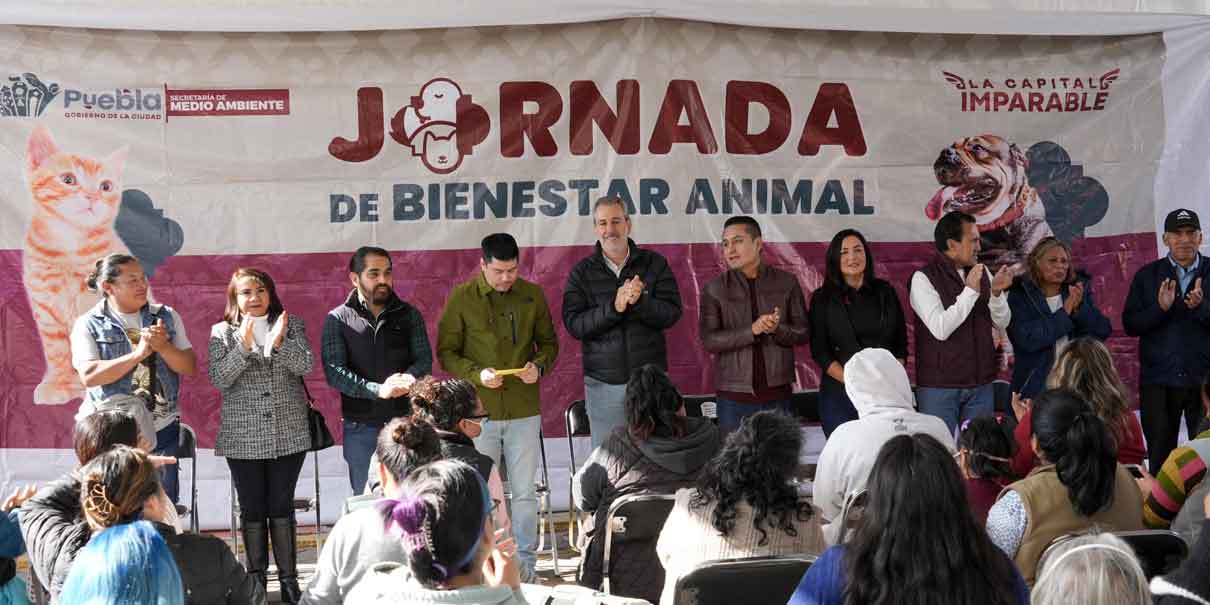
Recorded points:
(497, 333)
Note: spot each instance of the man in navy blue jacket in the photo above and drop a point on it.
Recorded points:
(1165, 310)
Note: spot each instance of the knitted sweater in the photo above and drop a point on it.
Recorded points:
(689, 538)
(1181, 473)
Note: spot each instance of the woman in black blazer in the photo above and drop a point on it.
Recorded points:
(851, 311)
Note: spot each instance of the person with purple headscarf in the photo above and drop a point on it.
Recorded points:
(443, 521)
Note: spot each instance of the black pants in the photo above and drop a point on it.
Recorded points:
(1161, 408)
(266, 487)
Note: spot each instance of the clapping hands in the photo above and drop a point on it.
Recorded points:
(767, 323)
(628, 294)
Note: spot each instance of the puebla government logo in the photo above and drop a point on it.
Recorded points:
(26, 96)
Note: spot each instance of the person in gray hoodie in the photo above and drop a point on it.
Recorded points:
(878, 386)
(659, 450)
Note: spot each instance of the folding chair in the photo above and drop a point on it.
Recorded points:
(754, 581)
(701, 406)
(575, 424)
(1159, 550)
(546, 520)
(852, 512)
(633, 519)
(187, 448)
(301, 505)
(806, 405)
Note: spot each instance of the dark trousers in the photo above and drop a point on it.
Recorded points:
(167, 443)
(1161, 408)
(835, 408)
(266, 487)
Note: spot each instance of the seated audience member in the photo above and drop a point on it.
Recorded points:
(1173, 499)
(51, 521)
(1079, 484)
(443, 523)
(984, 448)
(658, 450)
(121, 486)
(1189, 584)
(12, 588)
(357, 541)
(918, 541)
(1099, 569)
(455, 410)
(1086, 367)
(127, 564)
(744, 504)
(878, 386)
(1051, 304)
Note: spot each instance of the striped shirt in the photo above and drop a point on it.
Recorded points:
(1178, 477)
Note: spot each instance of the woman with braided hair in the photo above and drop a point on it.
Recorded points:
(119, 490)
(443, 521)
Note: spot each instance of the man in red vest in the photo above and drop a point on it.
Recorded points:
(956, 306)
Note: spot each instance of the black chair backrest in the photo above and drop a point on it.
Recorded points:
(635, 518)
(693, 404)
(1159, 550)
(575, 419)
(754, 581)
(187, 446)
(806, 405)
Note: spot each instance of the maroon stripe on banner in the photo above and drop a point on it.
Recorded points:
(311, 284)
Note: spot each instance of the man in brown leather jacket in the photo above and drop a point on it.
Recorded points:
(752, 317)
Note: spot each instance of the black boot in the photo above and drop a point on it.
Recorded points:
(256, 549)
(285, 554)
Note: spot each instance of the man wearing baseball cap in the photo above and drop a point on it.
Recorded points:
(1165, 310)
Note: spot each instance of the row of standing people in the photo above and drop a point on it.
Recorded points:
(618, 302)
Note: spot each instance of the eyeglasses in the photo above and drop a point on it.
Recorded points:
(478, 418)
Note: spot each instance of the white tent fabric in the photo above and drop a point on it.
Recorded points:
(1040, 17)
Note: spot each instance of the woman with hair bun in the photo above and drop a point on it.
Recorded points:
(120, 488)
(443, 523)
(658, 451)
(455, 410)
(259, 355)
(357, 542)
(1078, 485)
(744, 505)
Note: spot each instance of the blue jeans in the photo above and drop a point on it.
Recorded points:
(167, 443)
(517, 441)
(952, 405)
(835, 408)
(732, 413)
(360, 440)
(606, 404)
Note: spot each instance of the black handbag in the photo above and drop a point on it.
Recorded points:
(321, 437)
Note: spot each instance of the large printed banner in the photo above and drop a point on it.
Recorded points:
(200, 153)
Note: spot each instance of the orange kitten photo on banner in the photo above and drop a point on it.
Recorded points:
(75, 199)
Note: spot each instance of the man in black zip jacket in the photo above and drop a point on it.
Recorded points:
(1165, 310)
(374, 347)
(618, 302)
